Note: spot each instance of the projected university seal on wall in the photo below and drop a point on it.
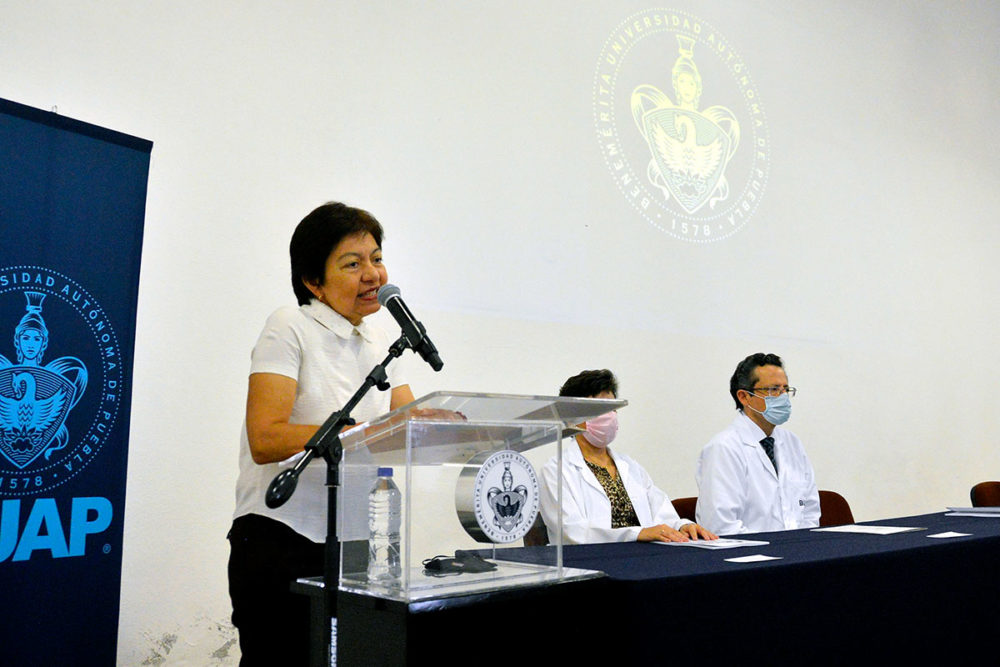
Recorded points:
(680, 125)
(52, 423)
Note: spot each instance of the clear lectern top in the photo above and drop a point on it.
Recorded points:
(453, 454)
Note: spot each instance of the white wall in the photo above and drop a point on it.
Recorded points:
(469, 130)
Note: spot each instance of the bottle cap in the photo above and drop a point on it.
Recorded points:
(385, 472)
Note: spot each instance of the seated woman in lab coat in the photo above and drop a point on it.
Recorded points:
(607, 497)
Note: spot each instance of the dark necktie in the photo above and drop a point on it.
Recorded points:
(768, 445)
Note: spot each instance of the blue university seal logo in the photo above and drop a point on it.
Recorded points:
(51, 424)
(34, 399)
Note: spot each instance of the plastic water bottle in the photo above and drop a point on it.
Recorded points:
(384, 513)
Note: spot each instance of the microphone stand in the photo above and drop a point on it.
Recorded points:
(326, 443)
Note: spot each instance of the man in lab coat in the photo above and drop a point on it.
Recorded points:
(755, 476)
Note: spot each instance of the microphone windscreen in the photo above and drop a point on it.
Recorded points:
(386, 292)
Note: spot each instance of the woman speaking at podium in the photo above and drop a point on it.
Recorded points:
(307, 363)
(607, 497)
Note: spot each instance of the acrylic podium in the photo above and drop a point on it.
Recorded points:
(465, 486)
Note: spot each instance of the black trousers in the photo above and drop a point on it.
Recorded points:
(266, 556)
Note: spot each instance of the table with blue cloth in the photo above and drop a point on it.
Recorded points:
(831, 598)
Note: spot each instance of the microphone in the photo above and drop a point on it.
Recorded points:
(414, 332)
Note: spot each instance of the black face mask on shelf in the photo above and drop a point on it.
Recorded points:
(464, 561)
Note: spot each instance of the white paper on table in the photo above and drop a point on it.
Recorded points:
(867, 530)
(721, 543)
(974, 511)
(949, 533)
(756, 558)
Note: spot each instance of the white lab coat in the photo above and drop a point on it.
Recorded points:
(586, 510)
(738, 490)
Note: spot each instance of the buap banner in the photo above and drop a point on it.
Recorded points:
(72, 203)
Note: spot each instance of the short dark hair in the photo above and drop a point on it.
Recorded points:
(746, 373)
(590, 383)
(316, 237)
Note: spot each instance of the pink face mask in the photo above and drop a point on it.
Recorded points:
(602, 430)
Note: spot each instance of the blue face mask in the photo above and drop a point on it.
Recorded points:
(777, 409)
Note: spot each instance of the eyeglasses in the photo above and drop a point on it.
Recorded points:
(772, 391)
